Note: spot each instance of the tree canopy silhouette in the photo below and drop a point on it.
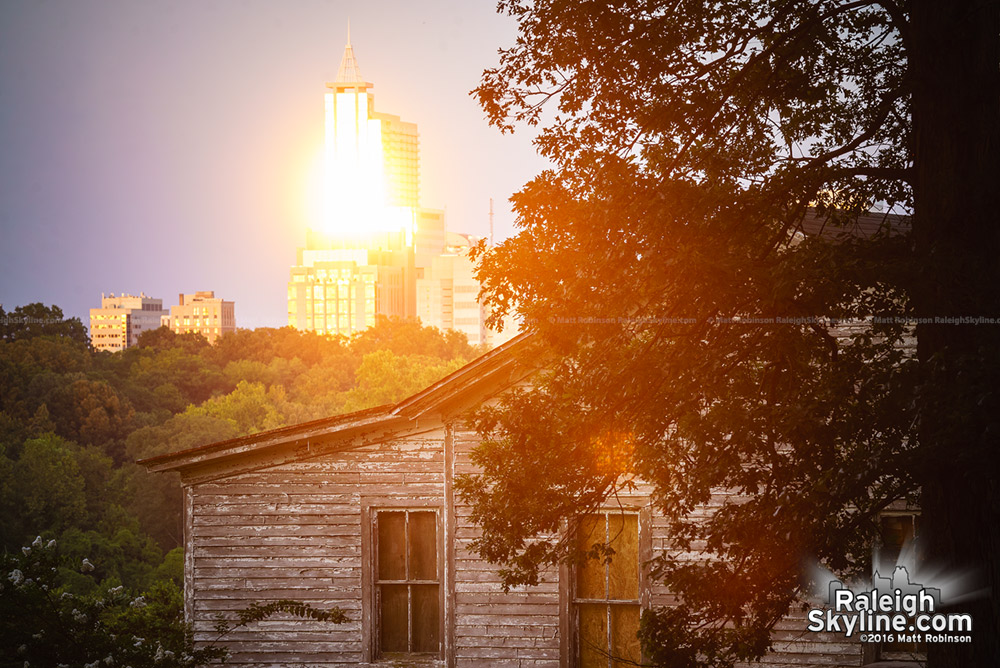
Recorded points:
(732, 182)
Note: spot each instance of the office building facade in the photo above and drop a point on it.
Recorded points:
(202, 313)
(120, 320)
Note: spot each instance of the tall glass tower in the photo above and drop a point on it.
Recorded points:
(358, 261)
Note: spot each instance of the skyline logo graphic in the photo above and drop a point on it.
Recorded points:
(894, 609)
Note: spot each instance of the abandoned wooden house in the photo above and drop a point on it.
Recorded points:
(359, 512)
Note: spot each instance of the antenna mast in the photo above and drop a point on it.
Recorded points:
(491, 222)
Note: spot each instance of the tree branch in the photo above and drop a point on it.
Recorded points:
(791, 36)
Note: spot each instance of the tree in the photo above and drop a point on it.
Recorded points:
(385, 378)
(156, 498)
(660, 260)
(32, 320)
(265, 344)
(48, 485)
(164, 338)
(402, 336)
(42, 623)
(90, 412)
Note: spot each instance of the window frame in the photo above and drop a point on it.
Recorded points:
(879, 546)
(882, 651)
(370, 614)
(569, 605)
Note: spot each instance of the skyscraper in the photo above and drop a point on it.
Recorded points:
(359, 261)
(375, 251)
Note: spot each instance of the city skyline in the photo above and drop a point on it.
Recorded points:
(167, 148)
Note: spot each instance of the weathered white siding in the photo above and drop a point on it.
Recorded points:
(294, 531)
(516, 629)
(793, 645)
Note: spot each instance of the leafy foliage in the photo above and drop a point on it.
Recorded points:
(43, 623)
(258, 612)
(33, 320)
(73, 422)
(384, 377)
(509, 503)
(713, 265)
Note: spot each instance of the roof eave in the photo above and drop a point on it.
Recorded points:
(478, 371)
(488, 373)
(274, 437)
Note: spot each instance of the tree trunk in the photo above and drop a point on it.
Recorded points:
(954, 53)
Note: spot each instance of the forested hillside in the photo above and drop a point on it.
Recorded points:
(74, 421)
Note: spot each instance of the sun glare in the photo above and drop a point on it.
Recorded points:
(355, 192)
(614, 453)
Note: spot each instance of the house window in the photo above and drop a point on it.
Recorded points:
(407, 584)
(897, 546)
(605, 593)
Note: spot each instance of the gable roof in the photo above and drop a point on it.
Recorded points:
(481, 378)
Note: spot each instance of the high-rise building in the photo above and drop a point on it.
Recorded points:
(355, 126)
(359, 261)
(371, 161)
(375, 251)
(447, 295)
(121, 319)
(203, 313)
(341, 290)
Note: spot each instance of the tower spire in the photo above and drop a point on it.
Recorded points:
(349, 71)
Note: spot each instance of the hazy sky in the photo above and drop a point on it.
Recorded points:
(167, 147)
